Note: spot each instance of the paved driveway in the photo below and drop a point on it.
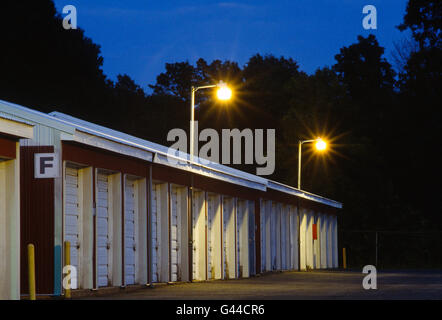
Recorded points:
(300, 285)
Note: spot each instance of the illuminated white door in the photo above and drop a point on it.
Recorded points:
(72, 217)
(103, 243)
(155, 234)
(273, 236)
(130, 243)
(174, 235)
(229, 245)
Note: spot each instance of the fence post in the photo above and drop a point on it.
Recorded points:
(376, 258)
(31, 271)
(344, 258)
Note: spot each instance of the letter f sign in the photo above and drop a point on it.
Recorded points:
(46, 165)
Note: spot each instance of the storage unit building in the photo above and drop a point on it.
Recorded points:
(134, 217)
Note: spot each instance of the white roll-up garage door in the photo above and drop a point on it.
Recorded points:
(294, 243)
(273, 236)
(229, 250)
(251, 222)
(155, 234)
(242, 238)
(72, 217)
(284, 236)
(262, 221)
(266, 248)
(199, 236)
(239, 222)
(210, 237)
(214, 231)
(103, 243)
(174, 235)
(130, 243)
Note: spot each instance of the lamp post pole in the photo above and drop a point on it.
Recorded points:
(299, 160)
(299, 164)
(192, 112)
(320, 145)
(192, 119)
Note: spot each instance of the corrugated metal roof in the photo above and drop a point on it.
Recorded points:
(214, 170)
(32, 117)
(11, 117)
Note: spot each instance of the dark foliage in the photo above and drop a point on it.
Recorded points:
(384, 128)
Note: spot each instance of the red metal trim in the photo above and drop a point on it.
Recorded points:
(103, 159)
(36, 222)
(8, 148)
(171, 175)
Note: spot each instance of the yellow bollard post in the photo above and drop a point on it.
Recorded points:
(31, 271)
(344, 258)
(67, 259)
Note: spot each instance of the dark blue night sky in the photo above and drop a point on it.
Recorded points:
(138, 37)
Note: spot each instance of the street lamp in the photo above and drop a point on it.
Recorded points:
(320, 145)
(223, 93)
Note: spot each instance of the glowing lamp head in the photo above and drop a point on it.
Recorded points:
(224, 92)
(320, 145)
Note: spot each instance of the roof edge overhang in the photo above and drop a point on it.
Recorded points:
(14, 128)
(32, 117)
(303, 194)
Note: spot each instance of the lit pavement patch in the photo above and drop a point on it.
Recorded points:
(299, 285)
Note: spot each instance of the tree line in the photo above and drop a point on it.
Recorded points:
(381, 116)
